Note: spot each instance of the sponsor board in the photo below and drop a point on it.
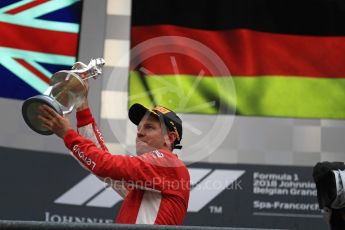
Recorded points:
(54, 188)
(206, 184)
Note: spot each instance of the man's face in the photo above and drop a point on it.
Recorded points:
(150, 135)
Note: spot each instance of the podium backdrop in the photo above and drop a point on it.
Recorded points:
(54, 188)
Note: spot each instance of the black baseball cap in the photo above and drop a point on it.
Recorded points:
(171, 120)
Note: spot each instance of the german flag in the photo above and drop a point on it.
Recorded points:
(253, 57)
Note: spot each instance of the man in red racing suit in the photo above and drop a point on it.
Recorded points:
(154, 184)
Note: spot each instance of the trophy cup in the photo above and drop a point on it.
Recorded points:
(67, 90)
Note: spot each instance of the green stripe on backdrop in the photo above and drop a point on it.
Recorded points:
(184, 93)
(282, 96)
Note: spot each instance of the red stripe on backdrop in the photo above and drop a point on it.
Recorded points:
(249, 53)
(26, 6)
(33, 70)
(39, 40)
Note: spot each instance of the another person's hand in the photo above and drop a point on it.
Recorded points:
(53, 121)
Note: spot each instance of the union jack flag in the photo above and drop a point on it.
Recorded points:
(38, 38)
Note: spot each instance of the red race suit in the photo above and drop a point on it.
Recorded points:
(155, 185)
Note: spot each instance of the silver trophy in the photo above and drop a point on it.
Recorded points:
(67, 91)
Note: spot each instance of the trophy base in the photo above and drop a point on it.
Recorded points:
(30, 112)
